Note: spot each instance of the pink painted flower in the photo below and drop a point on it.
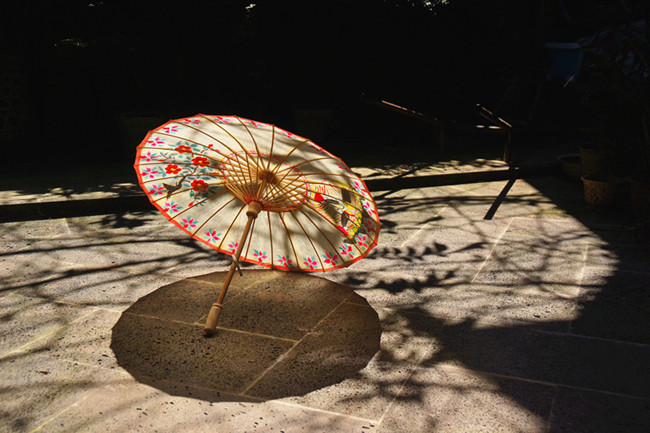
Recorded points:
(157, 190)
(221, 119)
(259, 255)
(232, 247)
(310, 262)
(188, 223)
(170, 129)
(199, 185)
(346, 250)
(213, 236)
(172, 169)
(330, 258)
(369, 208)
(183, 148)
(362, 240)
(149, 157)
(191, 121)
(172, 207)
(283, 261)
(150, 172)
(201, 161)
(155, 142)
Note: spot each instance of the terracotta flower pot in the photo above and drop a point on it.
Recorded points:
(600, 194)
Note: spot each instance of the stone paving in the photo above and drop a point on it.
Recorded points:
(536, 320)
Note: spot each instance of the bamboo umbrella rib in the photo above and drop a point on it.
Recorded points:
(320, 173)
(250, 236)
(286, 191)
(187, 189)
(268, 165)
(322, 233)
(232, 222)
(283, 193)
(308, 238)
(213, 214)
(307, 161)
(257, 149)
(179, 213)
(268, 216)
(286, 229)
(332, 224)
(241, 145)
(351, 191)
(197, 143)
(287, 155)
(160, 179)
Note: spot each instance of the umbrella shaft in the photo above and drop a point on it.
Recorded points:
(210, 328)
(233, 266)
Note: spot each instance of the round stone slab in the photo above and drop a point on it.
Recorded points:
(280, 334)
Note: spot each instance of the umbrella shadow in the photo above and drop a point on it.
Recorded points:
(281, 334)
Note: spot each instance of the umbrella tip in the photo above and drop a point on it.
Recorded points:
(208, 333)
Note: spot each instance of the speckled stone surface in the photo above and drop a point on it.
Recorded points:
(281, 334)
(532, 320)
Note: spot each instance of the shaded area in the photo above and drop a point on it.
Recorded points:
(281, 334)
(534, 321)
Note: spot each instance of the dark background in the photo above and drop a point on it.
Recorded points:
(83, 81)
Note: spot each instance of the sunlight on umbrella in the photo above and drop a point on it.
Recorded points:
(257, 193)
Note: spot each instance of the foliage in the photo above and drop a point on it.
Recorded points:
(617, 90)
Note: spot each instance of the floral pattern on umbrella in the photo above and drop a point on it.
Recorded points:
(202, 171)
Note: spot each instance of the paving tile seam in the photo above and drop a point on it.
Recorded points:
(423, 228)
(221, 393)
(323, 411)
(589, 337)
(283, 356)
(54, 417)
(494, 246)
(551, 411)
(457, 369)
(47, 334)
(615, 269)
(201, 325)
(204, 317)
(401, 389)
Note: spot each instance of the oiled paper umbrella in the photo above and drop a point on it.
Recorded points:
(257, 193)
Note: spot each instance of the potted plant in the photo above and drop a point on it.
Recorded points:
(618, 95)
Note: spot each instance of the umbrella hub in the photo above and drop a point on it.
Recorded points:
(267, 177)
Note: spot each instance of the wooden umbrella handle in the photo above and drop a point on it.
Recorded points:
(210, 328)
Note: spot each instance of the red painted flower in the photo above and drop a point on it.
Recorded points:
(201, 161)
(199, 185)
(172, 169)
(183, 148)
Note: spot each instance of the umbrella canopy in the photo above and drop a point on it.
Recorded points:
(258, 193)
